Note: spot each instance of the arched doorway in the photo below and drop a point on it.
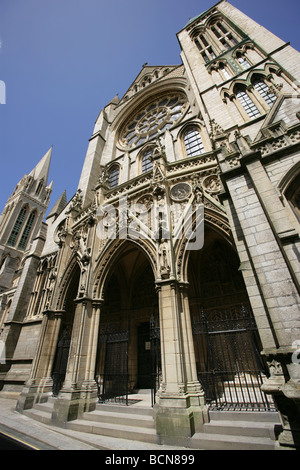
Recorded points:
(227, 345)
(64, 338)
(128, 347)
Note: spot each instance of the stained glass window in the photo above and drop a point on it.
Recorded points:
(264, 91)
(247, 104)
(113, 177)
(193, 142)
(152, 121)
(26, 232)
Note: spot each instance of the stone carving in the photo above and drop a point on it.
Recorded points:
(146, 201)
(219, 137)
(164, 259)
(103, 179)
(84, 262)
(212, 184)
(275, 368)
(159, 150)
(52, 279)
(61, 234)
(76, 202)
(180, 191)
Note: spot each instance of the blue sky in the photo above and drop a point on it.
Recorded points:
(62, 61)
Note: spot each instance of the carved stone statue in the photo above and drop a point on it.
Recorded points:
(164, 259)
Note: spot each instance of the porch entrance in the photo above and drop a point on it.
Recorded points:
(127, 348)
(226, 340)
(230, 367)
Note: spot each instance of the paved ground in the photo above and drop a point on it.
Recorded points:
(21, 431)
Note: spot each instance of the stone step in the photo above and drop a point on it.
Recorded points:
(120, 431)
(119, 417)
(39, 415)
(240, 428)
(207, 441)
(45, 406)
(256, 416)
(238, 431)
(115, 408)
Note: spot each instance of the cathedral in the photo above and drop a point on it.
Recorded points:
(173, 273)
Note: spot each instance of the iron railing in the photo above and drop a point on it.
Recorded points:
(112, 378)
(229, 364)
(155, 356)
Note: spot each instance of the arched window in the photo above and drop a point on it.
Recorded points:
(217, 37)
(193, 142)
(17, 227)
(243, 61)
(113, 177)
(264, 91)
(147, 164)
(224, 71)
(206, 50)
(247, 103)
(27, 231)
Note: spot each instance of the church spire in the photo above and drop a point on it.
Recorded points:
(41, 170)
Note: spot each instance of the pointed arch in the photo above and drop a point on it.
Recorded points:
(65, 282)
(110, 258)
(212, 219)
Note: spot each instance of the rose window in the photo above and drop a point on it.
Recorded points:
(153, 120)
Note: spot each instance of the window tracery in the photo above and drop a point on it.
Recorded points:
(153, 119)
(17, 227)
(253, 96)
(264, 91)
(215, 38)
(247, 103)
(27, 230)
(244, 63)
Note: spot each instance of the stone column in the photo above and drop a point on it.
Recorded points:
(192, 383)
(39, 384)
(79, 392)
(180, 410)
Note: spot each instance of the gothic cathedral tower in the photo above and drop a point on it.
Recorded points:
(21, 219)
(21, 228)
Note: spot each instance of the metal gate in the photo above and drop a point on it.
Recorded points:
(112, 374)
(61, 361)
(112, 377)
(230, 367)
(155, 356)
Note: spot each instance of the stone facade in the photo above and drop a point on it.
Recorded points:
(187, 204)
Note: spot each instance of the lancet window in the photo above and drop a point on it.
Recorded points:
(193, 142)
(113, 176)
(27, 231)
(17, 227)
